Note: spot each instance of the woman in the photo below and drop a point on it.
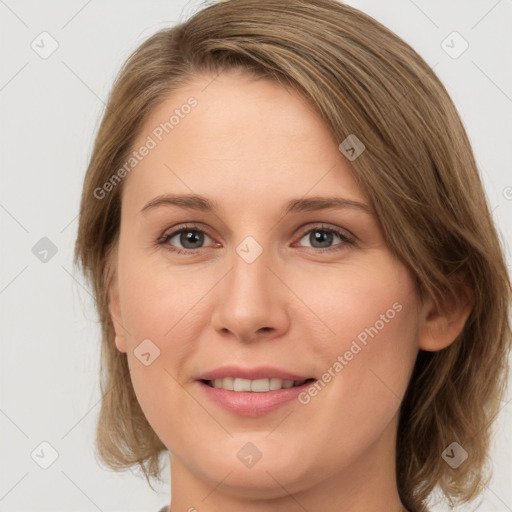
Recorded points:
(302, 293)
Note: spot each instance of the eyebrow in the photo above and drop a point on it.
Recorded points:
(201, 203)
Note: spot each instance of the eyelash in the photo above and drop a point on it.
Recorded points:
(162, 241)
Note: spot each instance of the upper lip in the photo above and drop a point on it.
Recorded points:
(259, 372)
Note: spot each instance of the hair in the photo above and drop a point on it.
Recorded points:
(418, 170)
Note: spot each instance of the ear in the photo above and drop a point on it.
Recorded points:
(442, 323)
(114, 306)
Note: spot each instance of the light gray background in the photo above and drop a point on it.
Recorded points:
(50, 111)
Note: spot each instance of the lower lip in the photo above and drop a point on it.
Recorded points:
(249, 403)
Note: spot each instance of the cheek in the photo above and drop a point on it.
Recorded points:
(365, 368)
(367, 302)
(386, 350)
(164, 306)
(157, 300)
(367, 360)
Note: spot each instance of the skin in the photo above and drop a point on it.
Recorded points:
(252, 146)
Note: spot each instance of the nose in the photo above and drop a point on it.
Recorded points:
(251, 302)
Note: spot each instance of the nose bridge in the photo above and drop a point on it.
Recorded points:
(249, 298)
(249, 272)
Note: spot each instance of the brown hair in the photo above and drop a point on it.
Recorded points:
(418, 170)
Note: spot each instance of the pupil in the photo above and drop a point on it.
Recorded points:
(324, 238)
(191, 237)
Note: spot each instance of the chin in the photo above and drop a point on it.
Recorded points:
(263, 483)
(253, 472)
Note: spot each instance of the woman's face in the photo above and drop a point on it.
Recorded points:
(264, 285)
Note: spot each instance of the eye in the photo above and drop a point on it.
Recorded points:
(322, 237)
(184, 240)
(189, 239)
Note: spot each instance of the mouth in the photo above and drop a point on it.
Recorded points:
(240, 385)
(252, 392)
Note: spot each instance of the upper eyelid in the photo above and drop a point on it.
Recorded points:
(192, 227)
(197, 227)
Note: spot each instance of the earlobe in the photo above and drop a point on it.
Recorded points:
(115, 314)
(442, 325)
(120, 343)
(115, 318)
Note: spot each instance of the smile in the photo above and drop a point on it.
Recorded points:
(255, 386)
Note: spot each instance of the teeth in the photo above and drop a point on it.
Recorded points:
(242, 385)
(256, 386)
(226, 383)
(260, 385)
(276, 384)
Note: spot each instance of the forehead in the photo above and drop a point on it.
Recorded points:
(235, 106)
(231, 133)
